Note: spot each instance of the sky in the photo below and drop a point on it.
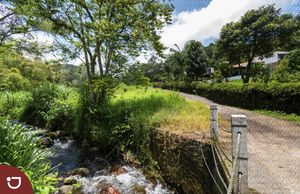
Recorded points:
(203, 19)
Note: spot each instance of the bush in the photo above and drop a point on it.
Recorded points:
(18, 149)
(12, 104)
(273, 96)
(52, 106)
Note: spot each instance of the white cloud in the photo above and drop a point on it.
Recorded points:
(206, 23)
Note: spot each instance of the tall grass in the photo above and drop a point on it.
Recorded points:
(12, 104)
(19, 150)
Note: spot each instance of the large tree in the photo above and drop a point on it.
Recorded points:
(100, 31)
(195, 59)
(256, 34)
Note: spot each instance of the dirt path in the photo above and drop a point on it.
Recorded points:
(273, 147)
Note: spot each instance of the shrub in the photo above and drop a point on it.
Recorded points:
(273, 96)
(18, 149)
(52, 106)
(12, 104)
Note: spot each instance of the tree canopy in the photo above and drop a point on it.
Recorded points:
(195, 59)
(98, 32)
(257, 33)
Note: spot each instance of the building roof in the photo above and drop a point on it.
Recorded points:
(266, 60)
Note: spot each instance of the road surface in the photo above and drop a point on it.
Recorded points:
(273, 148)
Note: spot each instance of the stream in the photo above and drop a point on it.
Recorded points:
(67, 156)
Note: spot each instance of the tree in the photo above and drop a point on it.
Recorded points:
(210, 51)
(12, 24)
(289, 32)
(256, 34)
(195, 59)
(174, 65)
(98, 32)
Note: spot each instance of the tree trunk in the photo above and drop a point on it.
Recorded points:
(248, 71)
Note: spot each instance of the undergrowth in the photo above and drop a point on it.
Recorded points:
(20, 150)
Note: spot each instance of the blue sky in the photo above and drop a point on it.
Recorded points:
(203, 19)
(188, 5)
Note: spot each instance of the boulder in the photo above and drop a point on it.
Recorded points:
(70, 181)
(47, 142)
(139, 190)
(60, 133)
(66, 189)
(109, 189)
(52, 135)
(63, 140)
(117, 170)
(80, 171)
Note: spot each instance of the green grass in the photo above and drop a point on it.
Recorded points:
(12, 104)
(165, 109)
(281, 115)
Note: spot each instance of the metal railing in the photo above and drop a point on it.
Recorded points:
(238, 182)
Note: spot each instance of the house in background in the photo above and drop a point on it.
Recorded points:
(270, 62)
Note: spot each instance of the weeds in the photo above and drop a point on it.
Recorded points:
(19, 150)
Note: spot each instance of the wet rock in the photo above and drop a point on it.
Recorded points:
(109, 189)
(70, 181)
(56, 134)
(117, 170)
(69, 189)
(139, 190)
(60, 133)
(66, 189)
(52, 135)
(80, 171)
(63, 140)
(94, 150)
(47, 142)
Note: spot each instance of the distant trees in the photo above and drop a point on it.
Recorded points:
(257, 33)
(195, 59)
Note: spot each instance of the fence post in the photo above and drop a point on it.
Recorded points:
(239, 126)
(213, 121)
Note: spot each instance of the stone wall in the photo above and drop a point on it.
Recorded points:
(181, 162)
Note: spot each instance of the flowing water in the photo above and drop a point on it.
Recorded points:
(132, 180)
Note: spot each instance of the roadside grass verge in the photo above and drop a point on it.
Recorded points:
(166, 109)
(280, 115)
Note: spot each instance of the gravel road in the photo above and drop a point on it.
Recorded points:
(273, 148)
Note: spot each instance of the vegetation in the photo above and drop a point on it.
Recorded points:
(273, 96)
(20, 150)
(257, 33)
(99, 31)
(195, 59)
(122, 117)
(91, 101)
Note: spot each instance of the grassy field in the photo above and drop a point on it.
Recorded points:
(281, 115)
(167, 109)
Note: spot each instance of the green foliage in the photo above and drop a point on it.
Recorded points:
(12, 104)
(18, 149)
(294, 60)
(52, 106)
(12, 80)
(195, 59)
(101, 32)
(288, 70)
(272, 96)
(258, 33)
(135, 76)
